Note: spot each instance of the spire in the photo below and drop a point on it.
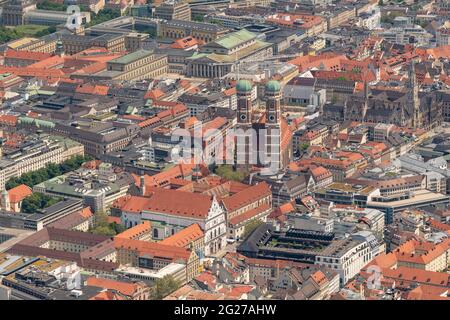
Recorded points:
(366, 100)
(366, 90)
(412, 75)
(59, 50)
(413, 95)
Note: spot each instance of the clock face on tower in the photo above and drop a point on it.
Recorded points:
(271, 118)
(243, 117)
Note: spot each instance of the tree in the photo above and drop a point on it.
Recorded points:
(103, 227)
(52, 6)
(198, 17)
(50, 171)
(104, 230)
(100, 219)
(227, 172)
(381, 3)
(164, 286)
(251, 226)
(304, 146)
(118, 228)
(37, 201)
(103, 16)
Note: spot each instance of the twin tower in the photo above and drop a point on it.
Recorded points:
(259, 135)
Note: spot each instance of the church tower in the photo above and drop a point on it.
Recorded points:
(244, 101)
(413, 96)
(246, 144)
(272, 141)
(59, 50)
(273, 102)
(366, 101)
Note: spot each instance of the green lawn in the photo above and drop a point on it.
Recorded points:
(30, 29)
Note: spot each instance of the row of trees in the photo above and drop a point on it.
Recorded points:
(103, 16)
(55, 6)
(10, 34)
(48, 172)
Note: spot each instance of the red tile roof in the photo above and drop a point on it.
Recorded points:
(246, 196)
(154, 94)
(132, 204)
(93, 89)
(27, 55)
(249, 214)
(125, 288)
(8, 119)
(86, 212)
(115, 220)
(424, 292)
(409, 275)
(179, 203)
(153, 248)
(136, 231)
(184, 237)
(107, 295)
(184, 43)
(19, 193)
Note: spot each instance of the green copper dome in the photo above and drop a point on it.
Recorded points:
(244, 86)
(273, 86)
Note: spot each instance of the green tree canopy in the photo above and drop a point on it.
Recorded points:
(304, 146)
(37, 201)
(103, 16)
(103, 227)
(50, 171)
(164, 286)
(227, 172)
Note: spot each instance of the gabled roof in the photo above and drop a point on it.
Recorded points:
(19, 193)
(249, 214)
(246, 196)
(153, 249)
(136, 231)
(406, 274)
(180, 203)
(27, 55)
(133, 204)
(107, 295)
(93, 89)
(185, 236)
(125, 288)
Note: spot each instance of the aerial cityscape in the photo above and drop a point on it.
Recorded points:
(225, 150)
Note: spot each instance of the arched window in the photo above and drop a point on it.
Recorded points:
(155, 233)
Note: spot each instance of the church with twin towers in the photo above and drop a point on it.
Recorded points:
(263, 136)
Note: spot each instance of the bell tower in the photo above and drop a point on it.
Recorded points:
(271, 158)
(244, 101)
(273, 102)
(246, 144)
(413, 96)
